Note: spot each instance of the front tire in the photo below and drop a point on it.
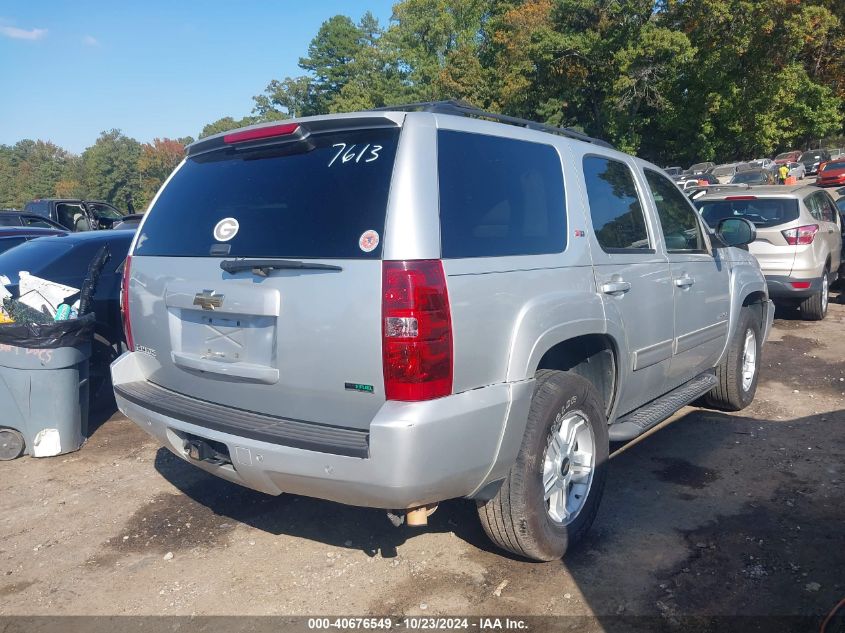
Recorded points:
(740, 369)
(551, 495)
(815, 308)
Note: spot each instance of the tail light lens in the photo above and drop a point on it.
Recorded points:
(124, 304)
(416, 330)
(284, 129)
(801, 235)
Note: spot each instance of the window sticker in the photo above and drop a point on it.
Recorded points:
(368, 241)
(226, 229)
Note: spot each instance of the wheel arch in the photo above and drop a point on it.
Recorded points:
(594, 357)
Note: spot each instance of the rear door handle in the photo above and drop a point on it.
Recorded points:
(615, 287)
(684, 282)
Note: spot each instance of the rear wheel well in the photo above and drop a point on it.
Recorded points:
(592, 356)
(756, 299)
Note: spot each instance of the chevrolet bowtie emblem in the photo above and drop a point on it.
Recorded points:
(207, 300)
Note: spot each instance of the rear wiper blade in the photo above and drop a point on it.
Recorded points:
(262, 267)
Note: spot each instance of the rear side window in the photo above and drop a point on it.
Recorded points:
(325, 197)
(681, 230)
(827, 208)
(615, 207)
(762, 212)
(499, 196)
(10, 220)
(812, 204)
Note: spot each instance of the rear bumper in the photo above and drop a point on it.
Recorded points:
(418, 453)
(780, 287)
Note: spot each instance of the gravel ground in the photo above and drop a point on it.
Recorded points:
(715, 514)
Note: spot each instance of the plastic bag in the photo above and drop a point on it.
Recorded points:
(92, 278)
(70, 333)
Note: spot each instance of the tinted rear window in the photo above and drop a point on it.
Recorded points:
(763, 212)
(316, 199)
(749, 176)
(499, 196)
(615, 207)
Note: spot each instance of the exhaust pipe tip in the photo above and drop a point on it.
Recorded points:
(418, 517)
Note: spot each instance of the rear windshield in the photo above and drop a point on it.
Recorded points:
(810, 156)
(833, 166)
(763, 212)
(325, 197)
(748, 176)
(724, 171)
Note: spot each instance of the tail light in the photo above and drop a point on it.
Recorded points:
(285, 129)
(416, 330)
(124, 304)
(801, 235)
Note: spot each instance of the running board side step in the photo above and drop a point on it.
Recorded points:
(641, 420)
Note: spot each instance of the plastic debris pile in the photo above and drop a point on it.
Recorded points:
(39, 301)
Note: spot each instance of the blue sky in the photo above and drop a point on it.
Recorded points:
(69, 70)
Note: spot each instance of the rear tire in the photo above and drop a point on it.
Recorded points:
(815, 308)
(561, 466)
(11, 444)
(740, 368)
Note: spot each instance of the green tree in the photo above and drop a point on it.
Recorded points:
(110, 169)
(330, 57)
(32, 169)
(225, 124)
(288, 98)
(155, 163)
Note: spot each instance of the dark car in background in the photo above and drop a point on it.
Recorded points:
(75, 214)
(674, 171)
(753, 177)
(17, 235)
(700, 168)
(812, 159)
(12, 218)
(65, 259)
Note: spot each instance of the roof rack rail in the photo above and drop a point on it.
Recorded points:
(461, 108)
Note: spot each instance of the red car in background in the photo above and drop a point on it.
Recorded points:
(831, 173)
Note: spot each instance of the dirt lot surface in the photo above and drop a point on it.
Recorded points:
(715, 514)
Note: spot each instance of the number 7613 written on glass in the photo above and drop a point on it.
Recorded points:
(368, 153)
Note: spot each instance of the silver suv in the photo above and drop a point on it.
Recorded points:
(799, 240)
(393, 308)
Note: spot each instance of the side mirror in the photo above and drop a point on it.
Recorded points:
(736, 231)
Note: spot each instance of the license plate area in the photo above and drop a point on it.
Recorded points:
(229, 338)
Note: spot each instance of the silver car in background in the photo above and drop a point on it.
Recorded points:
(799, 240)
